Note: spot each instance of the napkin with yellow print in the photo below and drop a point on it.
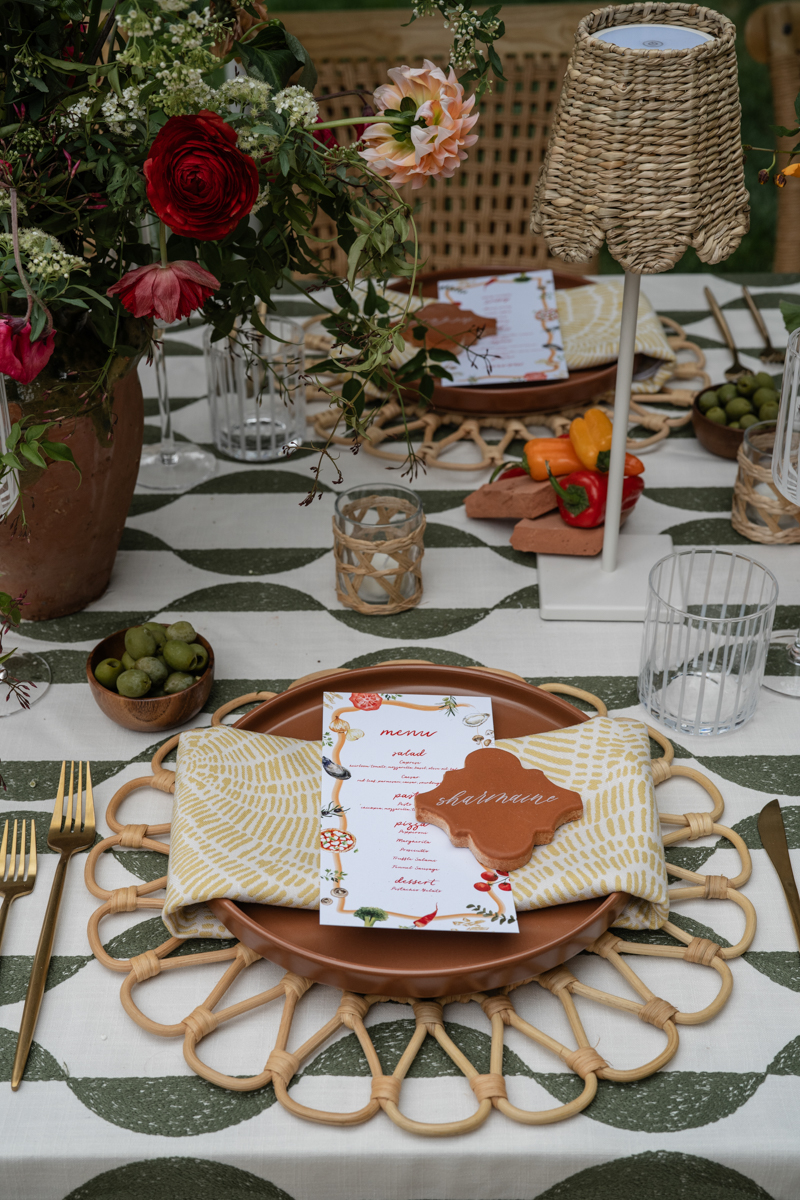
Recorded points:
(246, 823)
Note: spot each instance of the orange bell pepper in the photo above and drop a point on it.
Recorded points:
(591, 437)
(558, 452)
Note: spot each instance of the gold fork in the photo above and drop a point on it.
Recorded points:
(68, 834)
(17, 881)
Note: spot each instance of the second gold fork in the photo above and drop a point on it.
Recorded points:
(69, 833)
(17, 880)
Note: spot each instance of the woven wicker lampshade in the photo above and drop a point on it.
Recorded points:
(645, 149)
(645, 153)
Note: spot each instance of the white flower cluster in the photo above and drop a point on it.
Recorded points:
(298, 104)
(122, 111)
(42, 254)
(425, 8)
(5, 203)
(138, 24)
(464, 22)
(172, 6)
(184, 90)
(246, 92)
(74, 116)
(261, 199)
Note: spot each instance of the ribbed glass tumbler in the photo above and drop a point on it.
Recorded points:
(256, 391)
(706, 636)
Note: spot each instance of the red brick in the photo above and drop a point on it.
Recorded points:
(511, 499)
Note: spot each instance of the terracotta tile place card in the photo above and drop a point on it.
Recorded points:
(380, 867)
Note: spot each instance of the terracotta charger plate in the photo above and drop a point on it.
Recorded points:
(509, 399)
(398, 962)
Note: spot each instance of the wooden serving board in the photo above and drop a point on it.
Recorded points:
(398, 962)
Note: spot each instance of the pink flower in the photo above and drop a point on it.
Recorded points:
(20, 358)
(167, 292)
(436, 150)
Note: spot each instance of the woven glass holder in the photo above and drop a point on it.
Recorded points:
(760, 512)
(378, 548)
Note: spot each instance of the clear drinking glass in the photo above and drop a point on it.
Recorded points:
(784, 659)
(706, 636)
(377, 542)
(256, 391)
(168, 466)
(24, 678)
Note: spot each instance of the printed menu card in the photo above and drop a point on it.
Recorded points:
(527, 347)
(379, 866)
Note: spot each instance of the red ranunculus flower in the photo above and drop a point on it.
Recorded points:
(20, 358)
(198, 181)
(168, 293)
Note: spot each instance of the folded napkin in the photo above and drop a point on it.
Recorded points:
(590, 319)
(246, 824)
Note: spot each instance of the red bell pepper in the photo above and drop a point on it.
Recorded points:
(582, 497)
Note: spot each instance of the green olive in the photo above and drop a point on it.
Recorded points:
(178, 681)
(155, 668)
(717, 415)
(764, 396)
(133, 684)
(202, 656)
(768, 412)
(764, 379)
(128, 661)
(139, 642)
(734, 425)
(181, 631)
(727, 392)
(158, 631)
(179, 655)
(748, 420)
(707, 400)
(737, 408)
(108, 671)
(746, 385)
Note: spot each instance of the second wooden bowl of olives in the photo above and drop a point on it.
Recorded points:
(147, 714)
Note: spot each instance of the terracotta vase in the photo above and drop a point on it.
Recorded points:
(75, 525)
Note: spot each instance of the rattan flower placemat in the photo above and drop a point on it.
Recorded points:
(489, 1088)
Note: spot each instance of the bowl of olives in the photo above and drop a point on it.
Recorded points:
(151, 677)
(721, 414)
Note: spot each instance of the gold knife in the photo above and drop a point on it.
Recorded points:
(772, 832)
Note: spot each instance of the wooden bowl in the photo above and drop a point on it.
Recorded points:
(146, 715)
(717, 439)
(395, 962)
(509, 399)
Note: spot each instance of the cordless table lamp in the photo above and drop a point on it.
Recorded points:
(645, 153)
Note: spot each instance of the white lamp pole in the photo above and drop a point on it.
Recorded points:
(622, 404)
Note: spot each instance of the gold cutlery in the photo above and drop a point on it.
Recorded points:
(19, 878)
(772, 832)
(68, 834)
(735, 370)
(769, 353)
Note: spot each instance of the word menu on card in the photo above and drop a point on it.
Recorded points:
(379, 866)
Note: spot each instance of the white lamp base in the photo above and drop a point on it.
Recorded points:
(572, 588)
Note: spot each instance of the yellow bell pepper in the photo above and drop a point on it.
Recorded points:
(591, 438)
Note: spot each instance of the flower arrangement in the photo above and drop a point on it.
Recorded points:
(159, 161)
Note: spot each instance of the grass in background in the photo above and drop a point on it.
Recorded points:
(758, 247)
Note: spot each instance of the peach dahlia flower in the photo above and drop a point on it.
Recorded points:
(430, 152)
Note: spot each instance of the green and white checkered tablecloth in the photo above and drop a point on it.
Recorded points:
(108, 1111)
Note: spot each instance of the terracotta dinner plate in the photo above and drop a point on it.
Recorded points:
(509, 399)
(396, 962)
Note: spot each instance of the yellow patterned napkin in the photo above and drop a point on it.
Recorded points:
(246, 824)
(590, 318)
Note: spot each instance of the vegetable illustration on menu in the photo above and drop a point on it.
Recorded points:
(380, 865)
